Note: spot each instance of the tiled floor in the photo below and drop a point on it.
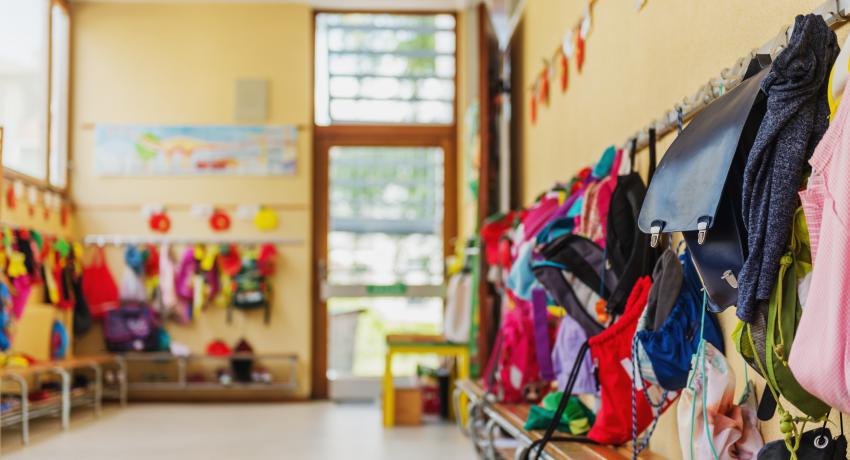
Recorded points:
(302, 431)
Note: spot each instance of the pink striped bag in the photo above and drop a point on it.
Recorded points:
(819, 357)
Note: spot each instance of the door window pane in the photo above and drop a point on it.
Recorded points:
(23, 85)
(358, 330)
(386, 215)
(384, 68)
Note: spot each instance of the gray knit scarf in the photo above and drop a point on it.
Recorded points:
(797, 117)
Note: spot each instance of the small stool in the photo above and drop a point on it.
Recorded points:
(420, 345)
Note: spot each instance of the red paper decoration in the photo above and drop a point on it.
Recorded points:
(11, 200)
(565, 72)
(159, 222)
(579, 52)
(219, 221)
(544, 84)
(63, 215)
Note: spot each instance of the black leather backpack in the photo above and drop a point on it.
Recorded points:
(697, 187)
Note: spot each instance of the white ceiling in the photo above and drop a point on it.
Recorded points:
(330, 4)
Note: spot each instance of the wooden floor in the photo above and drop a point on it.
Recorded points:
(238, 431)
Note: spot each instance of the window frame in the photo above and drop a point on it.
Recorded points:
(45, 184)
(317, 12)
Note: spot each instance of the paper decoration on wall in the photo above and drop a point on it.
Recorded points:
(543, 95)
(201, 211)
(159, 222)
(565, 71)
(573, 45)
(265, 220)
(32, 199)
(246, 212)
(11, 199)
(579, 52)
(181, 150)
(63, 215)
(219, 221)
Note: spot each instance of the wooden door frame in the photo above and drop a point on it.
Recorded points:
(325, 137)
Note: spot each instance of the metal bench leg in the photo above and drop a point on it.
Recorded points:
(66, 397)
(491, 428)
(520, 453)
(122, 380)
(472, 426)
(25, 407)
(98, 387)
(456, 403)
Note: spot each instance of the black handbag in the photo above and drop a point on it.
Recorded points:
(697, 186)
(817, 444)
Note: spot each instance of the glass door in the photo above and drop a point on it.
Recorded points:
(384, 266)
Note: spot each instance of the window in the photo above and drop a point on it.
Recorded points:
(34, 88)
(385, 68)
(59, 75)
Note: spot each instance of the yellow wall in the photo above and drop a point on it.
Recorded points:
(637, 66)
(177, 63)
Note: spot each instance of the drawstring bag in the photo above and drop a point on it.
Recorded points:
(99, 287)
(710, 425)
(569, 340)
(816, 444)
(767, 342)
(666, 337)
(611, 351)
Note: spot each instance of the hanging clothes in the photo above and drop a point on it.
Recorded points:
(797, 117)
(822, 330)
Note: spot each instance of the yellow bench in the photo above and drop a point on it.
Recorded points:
(420, 345)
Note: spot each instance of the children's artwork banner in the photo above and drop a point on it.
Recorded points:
(195, 150)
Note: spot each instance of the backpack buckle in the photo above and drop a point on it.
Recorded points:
(655, 233)
(702, 229)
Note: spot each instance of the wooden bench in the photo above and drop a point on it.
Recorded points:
(68, 398)
(510, 418)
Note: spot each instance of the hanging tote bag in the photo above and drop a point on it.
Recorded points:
(99, 288)
(773, 336)
(696, 189)
(710, 424)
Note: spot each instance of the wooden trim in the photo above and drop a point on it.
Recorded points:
(320, 387)
(324, 137)
(392, 12)
(486, 328)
